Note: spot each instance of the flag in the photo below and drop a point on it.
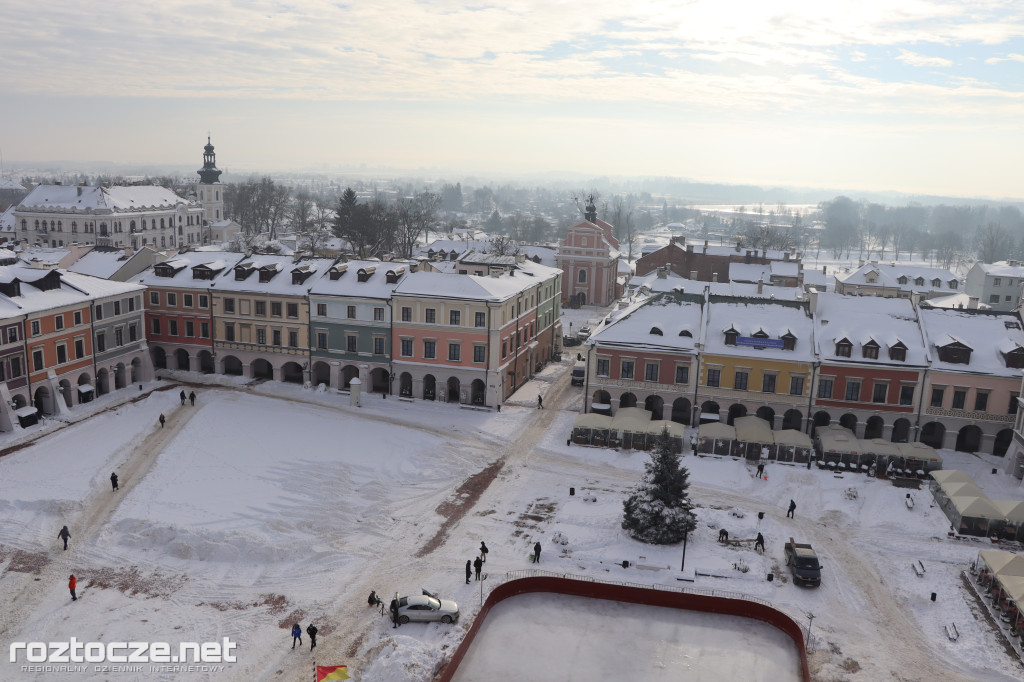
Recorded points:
(331, 672)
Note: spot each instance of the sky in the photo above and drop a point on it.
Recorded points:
(906, 95)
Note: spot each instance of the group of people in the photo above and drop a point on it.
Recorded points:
(191, 397)
(476, 564)
(297, 635)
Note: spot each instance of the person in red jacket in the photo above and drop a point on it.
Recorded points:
(71, 586)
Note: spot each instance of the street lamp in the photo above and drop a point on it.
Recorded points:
(686, 536)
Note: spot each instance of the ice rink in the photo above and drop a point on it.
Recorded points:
(559, 638)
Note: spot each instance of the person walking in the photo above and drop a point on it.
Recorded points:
(693, 444)
(72, 582)
(536, 552)
(182, 396)
(483, 551)
(64, 535)
(540, 403)
(469, 570)
(162, 420)
(477, 565)
(723, 536)
(311, 631)
(296, 635)
(192, 398)
(113, 480)
(759, 542)
(394, 614)
(792, 508)
(760, 470)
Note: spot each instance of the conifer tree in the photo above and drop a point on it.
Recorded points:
(658, 511)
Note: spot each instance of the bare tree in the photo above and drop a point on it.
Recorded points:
(414, 217)
(503, 245)
(994, 243)
(300, 212)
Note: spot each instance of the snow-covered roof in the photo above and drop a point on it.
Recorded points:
(100, 263)
(44, 256)
(11, 183)
(456, 245)
(545, 253)
(958, 301)
(651, 283)
(976, 507)
(860, 319)
(990, 336)
(750, 317)
(348, 284)
(180, 267)
(71, 289)
(280, 283)
(7, 219)
(472, 287)
(891, 274)
(101, 200)
(677, 318)
(1002, 268)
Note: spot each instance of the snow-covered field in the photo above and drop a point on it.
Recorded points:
(270, 505)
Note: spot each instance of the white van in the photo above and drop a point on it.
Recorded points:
(579, 373)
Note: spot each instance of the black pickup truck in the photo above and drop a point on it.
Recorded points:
(804, 563)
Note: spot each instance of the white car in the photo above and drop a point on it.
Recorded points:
(427, 608)
(583, 334)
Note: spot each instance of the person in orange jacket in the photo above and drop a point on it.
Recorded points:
(71, 586)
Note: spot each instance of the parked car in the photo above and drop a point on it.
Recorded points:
(427, 608)
(583, 334)
(579, 373)
(804, 563)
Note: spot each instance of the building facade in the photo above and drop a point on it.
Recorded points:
(997, 284)
(588, 258)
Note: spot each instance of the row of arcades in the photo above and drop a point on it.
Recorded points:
(969, 438)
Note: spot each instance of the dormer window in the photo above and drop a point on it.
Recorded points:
(242, 271)
(919, 281)
(761, 334)
(870, 350)
(687, 333)
(656, 331)
(788, 341)
(162, 270)
(903, 279)
(898, 352)
(730, 336)
(1015, 358)
(955, 353)
(337, 271)
(936, 282)
(391, 276)
(267, 274)
(844, 348)
(954, 284)
(364, 274)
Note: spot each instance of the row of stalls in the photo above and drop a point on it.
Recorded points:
(630, 429)
(1000, 575)
(838, 448)
(971, 512)
(752, 438)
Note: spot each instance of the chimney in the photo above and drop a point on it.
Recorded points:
(972, 303)
(689, 248)
(714, 276)
(746, 258)
(738, 245)
(824, 269)
(812, 296)
(760, 285)
(520, 257)
(705, 246)
(915, 298)
(861, 264)
(785, 256)
(764, 253)
(663, 272)
(79, 188)
(875, 263)
(693, 274)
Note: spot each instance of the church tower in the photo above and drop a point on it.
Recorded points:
(211, 191)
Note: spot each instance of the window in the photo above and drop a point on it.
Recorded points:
(58, 322)
(133, 333)
(504, 348)
(378, 345)
(275, 309)
(852, 390)
(906, 395)
(997, 282)
(682, 374)
(870, 350)
(321, 309)
(768, 383)
(293, 338)
(62, 354)
(582, 277)
(378, 314)
(350, 312)
(204, 330)
(79, 349)
(172, 327)
(454, 318)
(119, 336)
(898, 352)
(352, 343)
(101, 342)
(430, 316)
(844, 349)
(603, 367)
(879, 393)
(479, 353)
(275, 337)
(454, 352)
(261, 336)
(651, 371)
(994, 298)
(190, 328)
(117, 307)
(406, 314)
(293, 310)
(1012, 408)
(35, 327)
(740, 382)
(406, 348)
(626, 371)
(229, 305)
(429, 349)
(261, 308)
(480, 320)
(37, 360)
(99, 308)
(981, 402)
(12, 334)
(959, 398)
(730, 337)
(229, 331)
(172, 299)
(714, 377)
(796, 385)
(204, 301)
(15, 367)
(938, 394)
(788, 342)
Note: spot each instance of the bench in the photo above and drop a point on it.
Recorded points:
(478, 408)
(406, 400)
(918, 570)
(952, 632)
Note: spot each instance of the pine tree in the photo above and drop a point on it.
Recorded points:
(658, 511)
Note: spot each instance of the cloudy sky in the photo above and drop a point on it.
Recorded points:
(909, 95)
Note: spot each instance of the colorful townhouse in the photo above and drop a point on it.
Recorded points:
(589, 260)
(873, 362)
(973, 381)
(647, 356)
(757, 357)
(350, 319)
(179, 313)
(261, 316)
(471, 339)
(118, 332)
(13, 377)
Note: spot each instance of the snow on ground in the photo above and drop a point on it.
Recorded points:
(561, 638)
(269, 504)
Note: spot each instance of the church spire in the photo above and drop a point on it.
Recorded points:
(209, 174)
